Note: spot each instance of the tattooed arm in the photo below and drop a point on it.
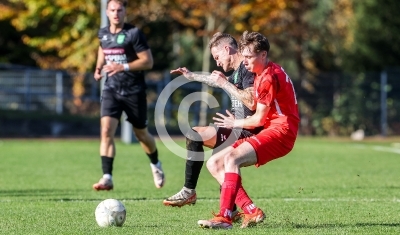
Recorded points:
(196, 77)
(204, 79)
(246, 95)
(218, 79)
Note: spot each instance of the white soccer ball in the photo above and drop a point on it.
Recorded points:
(110, 212)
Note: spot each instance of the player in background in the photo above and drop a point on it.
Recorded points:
(123, 55)
(239, 85)
(276, 111)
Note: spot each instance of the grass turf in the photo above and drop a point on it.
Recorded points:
(324, 186)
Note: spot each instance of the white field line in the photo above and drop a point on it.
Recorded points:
(393, 200)
(379, 148)
(386, 149)
(396, 200)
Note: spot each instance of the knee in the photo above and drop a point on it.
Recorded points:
(106, 132)
(230, 160)
(142, 136)
(213, 166)
(210, 165)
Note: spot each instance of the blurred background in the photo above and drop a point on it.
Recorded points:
(342, 55)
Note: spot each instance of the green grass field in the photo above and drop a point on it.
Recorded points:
(323, 186)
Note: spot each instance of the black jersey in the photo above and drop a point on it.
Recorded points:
(242, 79)
(121, 48)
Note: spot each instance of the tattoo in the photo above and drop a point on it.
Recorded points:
(203, 78)
(246, 95)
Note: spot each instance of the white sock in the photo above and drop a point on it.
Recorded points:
(107, 176)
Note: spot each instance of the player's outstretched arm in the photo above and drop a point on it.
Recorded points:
(182, 71)
(195, 77)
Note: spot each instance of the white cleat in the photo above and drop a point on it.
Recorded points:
(158, 174)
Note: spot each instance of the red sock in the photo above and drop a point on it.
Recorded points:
(229, 190)
(244, 201)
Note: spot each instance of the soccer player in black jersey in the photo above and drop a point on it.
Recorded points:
(239, 85)
(123, 56)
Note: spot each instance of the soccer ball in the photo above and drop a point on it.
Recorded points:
(110, 212)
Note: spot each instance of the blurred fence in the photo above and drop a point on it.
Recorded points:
(336, 104)
(44, 91)
(41, 90)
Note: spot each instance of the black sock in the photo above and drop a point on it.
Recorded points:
(192, 172)
(107, 164)
(234, 205)
(195, 159)
(153, 157)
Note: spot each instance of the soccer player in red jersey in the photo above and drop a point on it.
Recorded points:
(225, 51)
(276, 111)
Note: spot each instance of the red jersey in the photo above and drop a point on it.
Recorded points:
(275, 89)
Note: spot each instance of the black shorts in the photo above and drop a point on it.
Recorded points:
(135, 107)
(224, 139)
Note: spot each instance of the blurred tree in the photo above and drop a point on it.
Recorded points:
(374, 39)
(152, 18)
(308, 38)
(354, 37)
(373, 46)
(61, 31)
(329, 25)
(12, 49)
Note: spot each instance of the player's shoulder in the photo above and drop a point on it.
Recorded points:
(130, 28)
(104, 30)
(276, 68)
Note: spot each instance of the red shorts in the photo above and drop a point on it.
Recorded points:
(270, 144)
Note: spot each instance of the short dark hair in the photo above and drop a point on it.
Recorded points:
(259, 41)
(123, 2)
(219, 38)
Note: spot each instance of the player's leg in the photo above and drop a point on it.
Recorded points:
(225, 138)
(257, 150)
(268, 145)
(148, 144)
(243, 155)
(216, 163)
(225, 167)
(110, 114)
(135, 107)
(195, 139)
